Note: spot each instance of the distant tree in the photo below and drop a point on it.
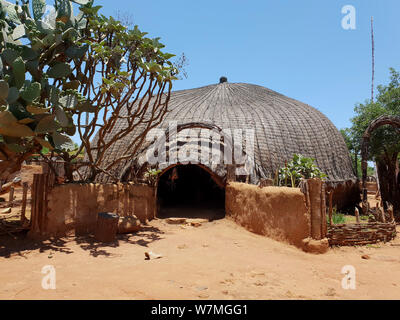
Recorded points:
(384, 146)
(353, 146)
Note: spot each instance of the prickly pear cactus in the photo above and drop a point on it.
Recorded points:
(38, 89)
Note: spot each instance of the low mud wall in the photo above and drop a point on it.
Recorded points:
(277, 212)
(75, 206)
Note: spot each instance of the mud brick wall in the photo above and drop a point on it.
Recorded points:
(75, 206)
(277, 212)
(360, 234)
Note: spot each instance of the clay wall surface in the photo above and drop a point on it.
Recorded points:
(277, 212)
(75, 206)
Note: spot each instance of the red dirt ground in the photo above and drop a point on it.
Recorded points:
(217, 260)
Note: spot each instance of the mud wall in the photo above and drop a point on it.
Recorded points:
(27, 172)
(75, 206)
(277, 212)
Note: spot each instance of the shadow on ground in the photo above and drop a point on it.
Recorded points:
(21, 244)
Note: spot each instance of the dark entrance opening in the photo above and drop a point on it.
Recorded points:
(189, 191)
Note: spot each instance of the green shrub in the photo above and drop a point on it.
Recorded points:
(299, 168)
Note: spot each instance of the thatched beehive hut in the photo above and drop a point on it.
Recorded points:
(282, 126)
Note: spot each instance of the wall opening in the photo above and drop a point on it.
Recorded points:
(190, 191)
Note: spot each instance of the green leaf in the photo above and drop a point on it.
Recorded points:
(19, 111)
(31, 92)
(38, 8)
(61, 116)
(47, 124)
(82, 2)
(18, 32)
(44, 143)
(86, 107)
(28, 53)
(7, 118)
(16, 147)
(4, 89)
(75, 52)
(36, 110)
(69, 101)
(16, 130)
(62, 142)
(73, 85)
(19, 72)
(26, 121)
(9, 55)
(60, 70)
(64, 11)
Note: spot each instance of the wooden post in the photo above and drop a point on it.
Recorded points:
(24, 197)
(330, 193)
(39, 204)
(323, 211)
(383, 215)
(11, 198)
(357, 214)
(390, 211)
(314, 189)
(230, 172)
(106, 227)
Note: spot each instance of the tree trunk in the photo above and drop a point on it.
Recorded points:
(388, 174)
(106, 227)
(11, 162)
(356, 163)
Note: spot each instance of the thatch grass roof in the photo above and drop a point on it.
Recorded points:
(283, 126)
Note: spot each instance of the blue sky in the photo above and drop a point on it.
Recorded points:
(295, 47)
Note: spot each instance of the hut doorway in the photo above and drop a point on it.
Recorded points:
(190, 191)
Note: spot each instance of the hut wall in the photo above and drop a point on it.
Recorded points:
(75, 206)
(277, 212)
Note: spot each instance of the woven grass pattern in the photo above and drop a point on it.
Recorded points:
(360, 234)
(283, 126)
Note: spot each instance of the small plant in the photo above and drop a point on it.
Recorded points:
(151, 176)
(337, 217)
(299, 168)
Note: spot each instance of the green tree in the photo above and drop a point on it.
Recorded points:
(353, 145)
(65, 73)
(384, 145)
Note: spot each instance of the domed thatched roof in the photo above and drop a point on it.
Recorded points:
(283, 126)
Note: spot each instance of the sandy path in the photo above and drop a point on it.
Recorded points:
(218, 260)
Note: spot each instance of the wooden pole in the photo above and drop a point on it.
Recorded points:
(373, 59)
(357, 214)
(24, 197)
(383, 215)
(323, 211)
(106, 227)
(315, 188)
(11, 198)
(330, 207)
